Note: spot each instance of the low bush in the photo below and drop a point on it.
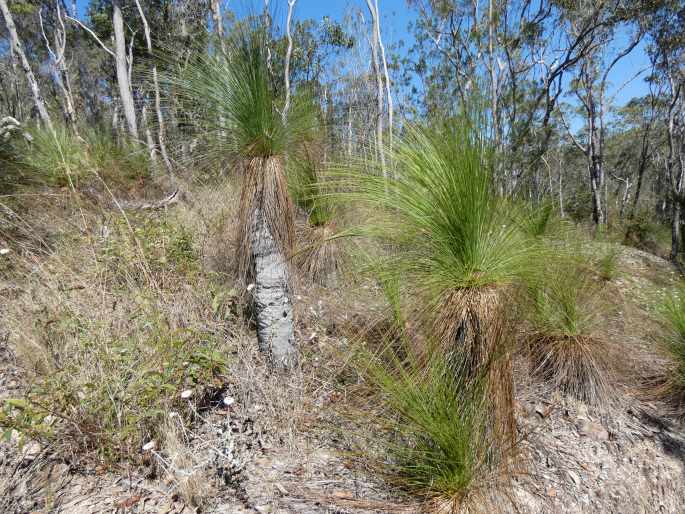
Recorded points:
(672, 385)
(61, 158)
(431, 433)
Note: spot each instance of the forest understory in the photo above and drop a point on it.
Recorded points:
(307, 257)
(255, 441)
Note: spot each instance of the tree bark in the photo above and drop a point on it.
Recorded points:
(391, 110)
(16, 45)
(675, 230)
(641, 167)
(272, 299)
(123, 77)
(60, 69)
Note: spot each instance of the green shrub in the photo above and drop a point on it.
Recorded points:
(55, 158)
(672, 313)
(63, 159)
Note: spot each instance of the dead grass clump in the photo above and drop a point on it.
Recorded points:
(474, 331)
(320, 255)
(181, 464)
(263, 196)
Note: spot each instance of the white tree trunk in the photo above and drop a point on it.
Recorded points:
(60, 68)
(123, 77)
(289, 52)
(30, 77)
(388, 86)
(161, 130)
(379, 85)
(218, 22)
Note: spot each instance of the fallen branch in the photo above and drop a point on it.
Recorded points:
(161, 204)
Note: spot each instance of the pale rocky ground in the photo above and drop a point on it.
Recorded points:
(248, 458)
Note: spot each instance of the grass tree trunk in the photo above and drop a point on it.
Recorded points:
(272, 299)
(265, 238)
(30, 77)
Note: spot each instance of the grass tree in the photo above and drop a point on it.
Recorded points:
(235, 107)
(431, 435)
(457, 249)
(564, 345)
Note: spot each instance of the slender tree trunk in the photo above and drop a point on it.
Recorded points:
(561, 194)
(149, 140)
(60, 70)
(349, 130)
(675, 230)
(641, 167)
(288, 54)
(123, 77)
(161, 129)
(273, 306)
(391, 109)
(218, 22)
(18, 50)
(379, 87)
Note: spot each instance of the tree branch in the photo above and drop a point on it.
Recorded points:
(93, 34)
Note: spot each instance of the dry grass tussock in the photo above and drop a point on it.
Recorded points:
(564, 340)
(263, 195)
(115, 325)
(320, 254)
(475, 332)
(181, 464)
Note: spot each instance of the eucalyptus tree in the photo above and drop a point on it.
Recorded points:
(237, 114)
(18, 50)
(668, 53)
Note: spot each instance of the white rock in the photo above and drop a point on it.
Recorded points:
(187, 394)
(4, 251)
(149, 446)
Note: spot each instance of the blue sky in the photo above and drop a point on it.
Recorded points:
(395, 19)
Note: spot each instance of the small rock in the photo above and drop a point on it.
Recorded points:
(593, 431)
(31, 451)
(573, 476)
(149, 446)
(186, 394)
